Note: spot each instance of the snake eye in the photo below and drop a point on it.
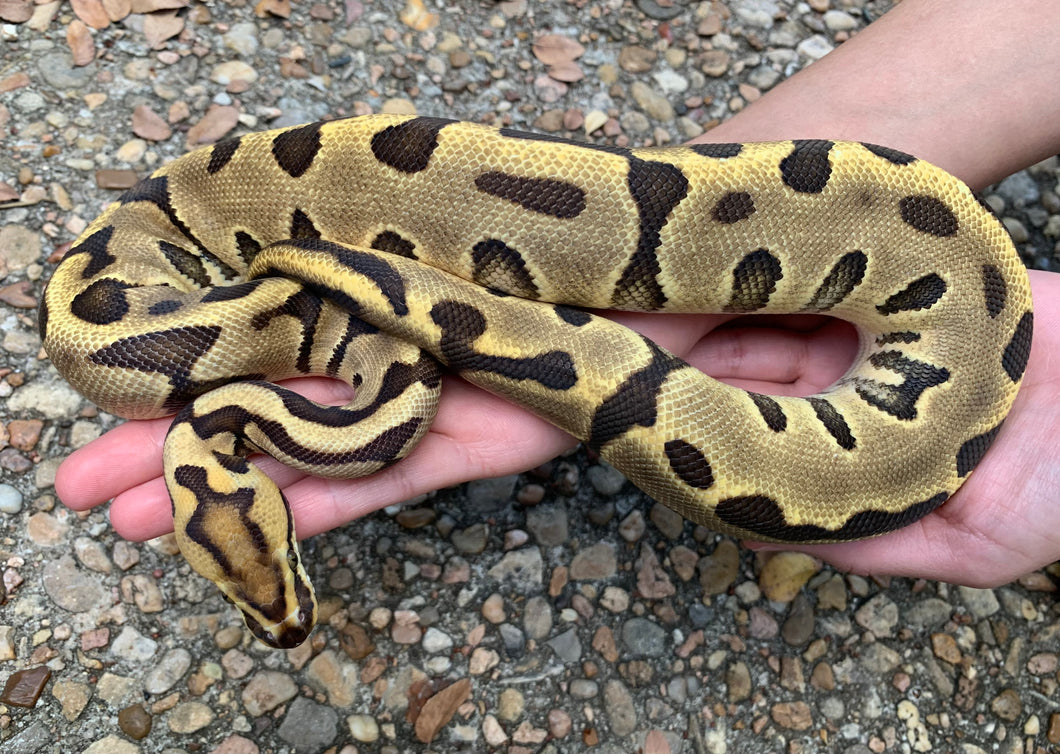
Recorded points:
(292, 559)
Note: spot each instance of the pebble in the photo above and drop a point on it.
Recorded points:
(548, 525)
(170, 669)
(266, 691)
(135, 721)
(71, 588)
(798, 626)
(581, 688)
(24, 687)
(112, 744)
(363, 728)
(644, 638)
(435, 641)
(523, 568)
(621, 713)
(567, 646)
(537, 618)
(605, 479)
(73, 698)
(309, 726)
(654, 104)
(1007, 705)
(472, 540)
(785, 574)
(188, 717)
(133, 647)
(10, 499)
(879, 615)
(738, 682)
(596, 563)
(981, 603)
(718, 571)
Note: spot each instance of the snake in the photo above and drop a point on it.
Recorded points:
(386, 251)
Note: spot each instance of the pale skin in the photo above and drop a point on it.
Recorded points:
(966, 84)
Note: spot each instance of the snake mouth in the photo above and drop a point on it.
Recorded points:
(286, 634)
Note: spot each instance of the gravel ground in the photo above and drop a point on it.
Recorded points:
(556, 611)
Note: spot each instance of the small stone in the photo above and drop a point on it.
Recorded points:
(792, 715)
(738, 682)
(266, 691)
(785, 574)
(596, 563)
(1007, 705)
(669, 522)
(654, 104)
(111, 744)
(170, 669)
(605, 478)
(567, 646)
(135, 722)
(981, 603)
(537, 618)
(879, 615)
(621, 713)
(644, 638)
(482, 660)
(837, 20)
(879, 658)
(510, 705)
(10, 499)
(309, 726)
(132, 646)
(24, 687)
(73, 698)
(435, 641)
(560, 723)
(632, 526)
(798, 627)
(493, 732)
(823, 677)
(714, 63)
(1043, 663)
(1053, 734)
(928, 613)
(945, 648)
(363, 728)
(472, 540)
(718, 571)
(832, 594)
(762, 624)
(815, 47)
(548, 525)
(335, 675)
(652, 581)
(582, 688)
(661, 11)
(189, 717)
(523, 568)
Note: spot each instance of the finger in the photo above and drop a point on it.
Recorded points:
(126, 456)
(804, 361)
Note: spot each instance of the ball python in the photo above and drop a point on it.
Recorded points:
(380, 249)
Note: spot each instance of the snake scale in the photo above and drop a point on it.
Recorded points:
(381, 249)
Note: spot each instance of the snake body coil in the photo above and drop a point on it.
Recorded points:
(373, 249)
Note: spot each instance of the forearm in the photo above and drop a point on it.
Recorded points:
(968, 85)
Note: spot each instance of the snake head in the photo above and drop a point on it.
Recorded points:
(234, 527)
